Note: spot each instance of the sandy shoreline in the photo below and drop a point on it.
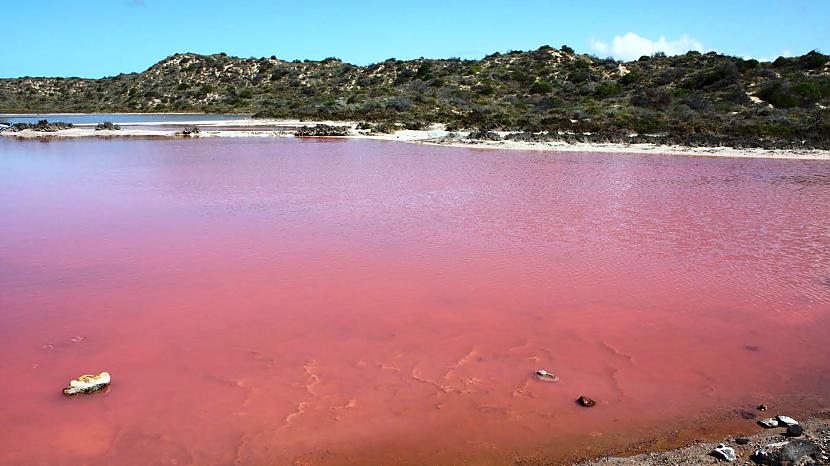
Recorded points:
(435, 135)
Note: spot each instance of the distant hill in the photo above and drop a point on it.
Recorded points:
(695, 99)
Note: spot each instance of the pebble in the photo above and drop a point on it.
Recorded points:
(762, 407)
(787, 421)
(724, 453)
(769, 422)
(547, 376)
(741, 440)
(586, 402)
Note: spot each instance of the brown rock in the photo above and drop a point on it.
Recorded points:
(585, 401)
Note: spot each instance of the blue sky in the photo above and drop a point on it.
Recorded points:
(94, 38)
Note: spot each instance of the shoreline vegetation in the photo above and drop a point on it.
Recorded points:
(689, 100)
(435, 134)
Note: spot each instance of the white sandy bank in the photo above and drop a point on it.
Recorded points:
(435, 135)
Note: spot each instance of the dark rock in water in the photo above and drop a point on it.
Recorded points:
(741, 440)
(585, 401)
(769, 422)
(762, 407)
(746, 414)
(751, 348)
(189, 131)
(794, 431)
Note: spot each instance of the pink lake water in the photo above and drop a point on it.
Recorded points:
(276, 301)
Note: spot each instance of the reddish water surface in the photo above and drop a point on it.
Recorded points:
(347, 302)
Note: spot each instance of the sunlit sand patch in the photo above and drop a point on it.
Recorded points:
(461, 362)
(301, 406)
(336, 410)
(415, 375)
(521, 390)
(312, 377)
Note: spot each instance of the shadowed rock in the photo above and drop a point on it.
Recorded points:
(784, 453)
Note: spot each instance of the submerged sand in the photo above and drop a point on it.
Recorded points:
(436, 135)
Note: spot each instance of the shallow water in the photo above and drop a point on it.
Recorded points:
(359, 302)
(120, 118)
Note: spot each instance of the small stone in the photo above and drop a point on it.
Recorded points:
(87, 384)
(586, 402)
(795, 431)
(762, 407)
(787, 421)
(769, 422)
(741, 440)
(546, 376)
(725, 453)
(761, 456)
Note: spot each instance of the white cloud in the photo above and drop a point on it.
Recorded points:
(631, 46)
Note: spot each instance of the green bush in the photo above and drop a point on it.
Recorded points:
(812, 60)
(630, 78)
(541, 87)
(778, 95)
(607, 89)
(107, 125)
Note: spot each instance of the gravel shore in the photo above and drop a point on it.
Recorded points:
(816, 430)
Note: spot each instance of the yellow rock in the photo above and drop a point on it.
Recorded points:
(87, 383)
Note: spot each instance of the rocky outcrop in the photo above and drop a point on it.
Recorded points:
(321, 130)
(42, 126)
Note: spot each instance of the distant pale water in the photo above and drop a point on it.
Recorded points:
(121, 118)
(277, 301)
